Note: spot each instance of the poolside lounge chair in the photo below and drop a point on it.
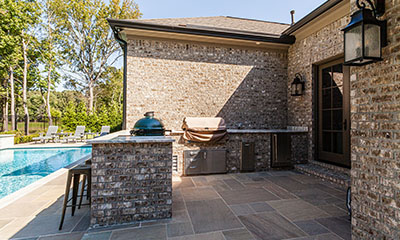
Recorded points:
(104, 130)
(79, 134)
(49, 135)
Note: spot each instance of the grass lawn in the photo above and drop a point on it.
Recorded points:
(33, 126)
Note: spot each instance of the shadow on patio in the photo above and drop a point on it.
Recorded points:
(264, 205)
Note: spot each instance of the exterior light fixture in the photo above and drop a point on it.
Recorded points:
(365, 35)
(297, 85)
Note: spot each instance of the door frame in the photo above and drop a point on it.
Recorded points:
(346, 114)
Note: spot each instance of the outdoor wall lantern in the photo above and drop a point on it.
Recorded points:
(297, 85)
(365, 35)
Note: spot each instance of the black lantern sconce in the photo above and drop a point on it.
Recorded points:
(365, 35)
(297, 85)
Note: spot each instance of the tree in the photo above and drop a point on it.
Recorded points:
(87, 41)
(30, 17)
(17, 19)
(49, 54)
(11, 25)
(109, 87)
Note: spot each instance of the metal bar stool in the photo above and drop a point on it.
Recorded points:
(74, 177)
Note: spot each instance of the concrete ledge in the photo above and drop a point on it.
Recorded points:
(124, 137)
(6, 140)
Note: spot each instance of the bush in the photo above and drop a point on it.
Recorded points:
(104, 116)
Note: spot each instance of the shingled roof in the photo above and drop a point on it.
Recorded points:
(222, 22)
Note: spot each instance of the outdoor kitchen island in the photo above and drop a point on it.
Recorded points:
(131, 179)
(132, 175)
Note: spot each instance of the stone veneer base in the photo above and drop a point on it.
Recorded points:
(131, 182)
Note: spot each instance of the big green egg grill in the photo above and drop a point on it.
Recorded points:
(148, 126)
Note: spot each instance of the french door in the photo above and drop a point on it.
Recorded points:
(334, 113)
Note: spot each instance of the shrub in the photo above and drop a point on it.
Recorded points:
(105, 115)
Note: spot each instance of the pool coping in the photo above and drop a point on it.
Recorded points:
(7, 200)
(47, 146)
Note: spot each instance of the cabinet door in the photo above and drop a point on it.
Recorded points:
(281, 150)
(247, 160)
(194, 161)
(215, 161)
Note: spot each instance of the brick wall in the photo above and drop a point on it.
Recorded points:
(131, 182)
(375, 122)
(375, 100)
(247, 87)
(324, 44)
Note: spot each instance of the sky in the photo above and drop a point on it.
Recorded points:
(269, 10)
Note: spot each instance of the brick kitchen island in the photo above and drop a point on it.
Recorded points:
(131, 179)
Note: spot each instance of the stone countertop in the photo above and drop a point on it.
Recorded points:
(266, 131)
(255, 131)
(124, 137)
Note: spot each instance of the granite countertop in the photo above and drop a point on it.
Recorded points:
(254, 131)
(266, 131)
(124, 137)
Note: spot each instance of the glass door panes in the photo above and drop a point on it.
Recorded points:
(333, 123)
(332, 108)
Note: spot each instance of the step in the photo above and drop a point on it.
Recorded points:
(334, 174)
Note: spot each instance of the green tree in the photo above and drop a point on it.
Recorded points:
(11, 25)
(87, 41)
(17, 21)
(74, 116)
(109, 87)
(49, 54)
(30, 16)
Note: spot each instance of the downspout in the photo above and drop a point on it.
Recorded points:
(124, 46)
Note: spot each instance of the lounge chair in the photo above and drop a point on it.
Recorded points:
(104, 130)
(79, 134)
(49, 135)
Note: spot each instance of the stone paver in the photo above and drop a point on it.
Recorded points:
(267, 205)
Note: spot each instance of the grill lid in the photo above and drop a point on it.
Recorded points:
(204, 129)
(148, 126)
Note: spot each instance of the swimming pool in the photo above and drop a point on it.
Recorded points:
(21, 167)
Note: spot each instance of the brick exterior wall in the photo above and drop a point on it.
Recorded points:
(244, 86)
(303, 54)
(247, 87)
(375, 110)
(131, 182)
(375, 122)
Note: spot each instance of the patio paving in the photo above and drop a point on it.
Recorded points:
(265, 205)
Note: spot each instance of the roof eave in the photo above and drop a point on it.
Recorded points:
(311, 16)
(283, 39)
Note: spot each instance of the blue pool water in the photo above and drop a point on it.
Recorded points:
(21, 167)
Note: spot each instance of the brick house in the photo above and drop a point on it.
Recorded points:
(242, 70)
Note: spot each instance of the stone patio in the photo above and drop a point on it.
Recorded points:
(265, 205)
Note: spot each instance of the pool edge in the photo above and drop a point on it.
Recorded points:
(5, 201)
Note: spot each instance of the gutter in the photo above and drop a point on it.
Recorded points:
(124, 46)
(311, 16)
(202, 31)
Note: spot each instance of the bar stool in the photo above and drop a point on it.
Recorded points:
(74, 176)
